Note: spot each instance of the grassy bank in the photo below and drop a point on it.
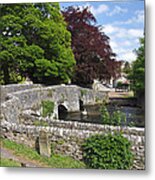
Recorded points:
(24, 152)
(9, 163)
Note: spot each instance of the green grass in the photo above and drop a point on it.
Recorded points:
(55, 161)
(9, 163)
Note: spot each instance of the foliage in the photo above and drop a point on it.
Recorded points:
(105, 115)
(34, 42)
(119, 84)
(56, 161)
(9, 163)
(47, 108)
(108, 152)
(117, 118)
(137, 74)
(127, 67)
(90, 45)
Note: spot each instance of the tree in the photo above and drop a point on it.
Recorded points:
(127, 67)
(34, 42)
(93, 54)
(137, 75)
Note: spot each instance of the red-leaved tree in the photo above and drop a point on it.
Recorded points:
(93, 54)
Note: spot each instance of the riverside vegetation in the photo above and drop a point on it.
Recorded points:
(111, 151)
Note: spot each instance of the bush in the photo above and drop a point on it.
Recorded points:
(107, 152)
(117, 118)
(105, 114)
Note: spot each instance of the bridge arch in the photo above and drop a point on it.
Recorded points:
(81, 105)
(62, 111)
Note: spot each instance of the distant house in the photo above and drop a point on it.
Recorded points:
(121, 81)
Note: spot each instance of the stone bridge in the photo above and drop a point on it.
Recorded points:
(19, 98)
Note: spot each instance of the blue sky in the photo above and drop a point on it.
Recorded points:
(122, 21)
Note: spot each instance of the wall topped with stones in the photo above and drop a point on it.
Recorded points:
(7, 89)
(69, 138)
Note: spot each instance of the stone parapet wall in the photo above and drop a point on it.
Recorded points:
(29, 120)
(69, 138)
(7, 89)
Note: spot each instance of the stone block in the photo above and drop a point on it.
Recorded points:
(44, 144)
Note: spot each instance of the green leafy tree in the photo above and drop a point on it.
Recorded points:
(34, 42)
(137, 74)
(127, 67)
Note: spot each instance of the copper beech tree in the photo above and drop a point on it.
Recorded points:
(94, 56)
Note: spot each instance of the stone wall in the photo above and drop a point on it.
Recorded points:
(7, 89)
(68, 138)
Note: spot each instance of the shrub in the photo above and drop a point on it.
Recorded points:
(116, 119)
(105, 114)
(47, 108)
(107, 152)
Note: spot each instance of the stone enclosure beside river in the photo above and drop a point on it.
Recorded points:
(21, 107)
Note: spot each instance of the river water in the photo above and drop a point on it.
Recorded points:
(134, 115)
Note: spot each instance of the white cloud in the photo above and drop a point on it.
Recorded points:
(110, 29)
(100, 9)
(135, 32)
(128, 56)
(117, 10)
(95, 10)
(138, 18)
(113, 44)
(123, 41)
(120, 32)
(127, 43)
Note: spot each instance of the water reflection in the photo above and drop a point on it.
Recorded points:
(134, 115)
